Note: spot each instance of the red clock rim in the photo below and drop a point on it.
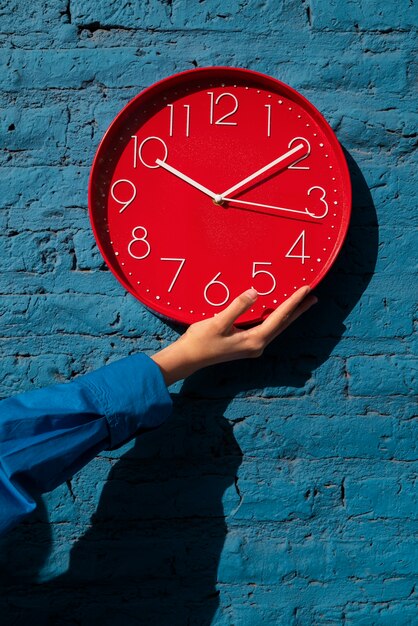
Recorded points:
(208, 72)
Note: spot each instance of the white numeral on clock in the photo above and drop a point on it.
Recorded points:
(268, 107)
(321, 199)
(214, 102)
(135, 239)
(216, 282)
(182, 261)
(302, 256)
(293, 166)
(126, 202)
(187, 107)
(135, 138)
(255, 273)
(138, 151)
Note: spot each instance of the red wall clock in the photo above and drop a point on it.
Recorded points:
(214, 180)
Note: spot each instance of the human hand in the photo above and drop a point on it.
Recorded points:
(217, 339)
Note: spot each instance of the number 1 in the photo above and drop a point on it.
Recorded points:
(268, 107)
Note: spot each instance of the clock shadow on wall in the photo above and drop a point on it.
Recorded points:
(152, 551)
(289, 361)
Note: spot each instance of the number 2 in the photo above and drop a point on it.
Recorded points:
(293, 166)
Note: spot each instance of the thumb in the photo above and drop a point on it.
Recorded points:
(238, 306)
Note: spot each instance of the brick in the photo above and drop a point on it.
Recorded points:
(37, 15)
(382, 497)
(87, 253)
(51, 189)
(42, 69)
(37, 252)
(390, 375)
(213, 15)
(93, 315)
(359, 15)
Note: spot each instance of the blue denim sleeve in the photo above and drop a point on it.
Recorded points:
(48, 434)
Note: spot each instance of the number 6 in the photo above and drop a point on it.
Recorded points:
(216, 282)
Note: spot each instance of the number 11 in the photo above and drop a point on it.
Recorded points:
(187, 107)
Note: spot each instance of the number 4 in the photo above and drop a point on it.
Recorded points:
(302, 256)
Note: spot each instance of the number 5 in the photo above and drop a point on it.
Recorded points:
(263, 293)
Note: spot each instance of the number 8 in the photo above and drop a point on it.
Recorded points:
(135, 238)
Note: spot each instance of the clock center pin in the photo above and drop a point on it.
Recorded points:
(218, 200)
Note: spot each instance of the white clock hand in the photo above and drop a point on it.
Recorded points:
(262, 170)
(270, 206)
(189, 180)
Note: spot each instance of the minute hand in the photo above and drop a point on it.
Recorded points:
(277, 208)
(262, 170)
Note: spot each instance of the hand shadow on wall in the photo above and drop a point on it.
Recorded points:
(152, 551)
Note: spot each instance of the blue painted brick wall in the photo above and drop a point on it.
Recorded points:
(282, 494)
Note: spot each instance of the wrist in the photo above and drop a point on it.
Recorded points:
(175, 361)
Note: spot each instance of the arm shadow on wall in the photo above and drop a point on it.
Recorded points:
(151, 553)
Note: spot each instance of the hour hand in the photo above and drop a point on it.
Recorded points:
(262, 170)
(189, 180)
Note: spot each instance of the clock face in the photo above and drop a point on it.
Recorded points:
(213, 181)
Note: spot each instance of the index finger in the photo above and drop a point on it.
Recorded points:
(280, 316)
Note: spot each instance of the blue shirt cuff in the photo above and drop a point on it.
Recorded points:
(133, 394)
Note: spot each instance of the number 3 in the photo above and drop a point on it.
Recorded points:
(321, 199)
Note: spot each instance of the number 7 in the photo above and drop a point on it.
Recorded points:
(182, 261)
